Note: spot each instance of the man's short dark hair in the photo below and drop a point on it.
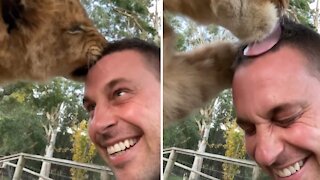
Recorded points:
(150, 51)
(295, 35)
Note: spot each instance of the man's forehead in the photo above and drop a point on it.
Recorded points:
(268, 69)
(118, 58)
(118, 67)
(92, 88)
(284, 58)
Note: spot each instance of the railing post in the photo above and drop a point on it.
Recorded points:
(170, 164)
(2, 166)
(18, 171)
(255, 173)
(104, 175)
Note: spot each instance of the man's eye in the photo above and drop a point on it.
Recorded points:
(119, 93)
(90, 107)
(286, 121)
(248, 129)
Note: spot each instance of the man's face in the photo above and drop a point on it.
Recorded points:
(123, 98)
(278, 105)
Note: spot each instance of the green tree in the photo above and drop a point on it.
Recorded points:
(33, 109)
(300, 11)
(235, 148)
(83, 149)
(19, 127)
(122, 18)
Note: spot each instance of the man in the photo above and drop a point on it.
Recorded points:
(122, 95)
(276, 95)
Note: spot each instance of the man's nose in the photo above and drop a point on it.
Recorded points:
(103, 119)
(268, 147)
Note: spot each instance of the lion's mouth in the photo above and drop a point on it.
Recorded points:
(93, 55)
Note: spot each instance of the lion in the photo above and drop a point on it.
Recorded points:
(193, 78)
(42, 39)
(249, 20)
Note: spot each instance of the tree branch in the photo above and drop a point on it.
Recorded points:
(129, 15)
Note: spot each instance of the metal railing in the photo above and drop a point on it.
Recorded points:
(105, 172)
(173, 152)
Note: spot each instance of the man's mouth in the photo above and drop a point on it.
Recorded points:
(290, 170)
(121, 146)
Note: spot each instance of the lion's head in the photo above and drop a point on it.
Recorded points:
(46, 38)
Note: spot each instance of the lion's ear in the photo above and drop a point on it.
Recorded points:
(11, 12)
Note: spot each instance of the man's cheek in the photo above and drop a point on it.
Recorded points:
(311, 143)
(91, 133)
(250, 147)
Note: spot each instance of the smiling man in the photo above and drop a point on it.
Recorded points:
(122, 95)
(277, 100)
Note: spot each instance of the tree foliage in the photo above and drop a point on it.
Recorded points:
(122, 18)
(83, 149)
(19, 127)
(24, 108)
(235, 148)
(300, 11)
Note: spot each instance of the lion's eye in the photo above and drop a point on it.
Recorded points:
(76, 29)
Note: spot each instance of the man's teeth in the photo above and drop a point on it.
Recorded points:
(121, 146)
(288, 171)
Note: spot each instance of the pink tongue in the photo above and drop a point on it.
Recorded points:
(266, 44)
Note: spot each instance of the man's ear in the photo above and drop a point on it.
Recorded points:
(11, 12)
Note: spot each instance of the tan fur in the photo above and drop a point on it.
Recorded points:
(46, 38)
(249, 20)
(193, 78)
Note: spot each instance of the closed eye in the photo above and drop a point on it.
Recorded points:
(285, 122)
(76, 29)
(248, 128)
(285, 114)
